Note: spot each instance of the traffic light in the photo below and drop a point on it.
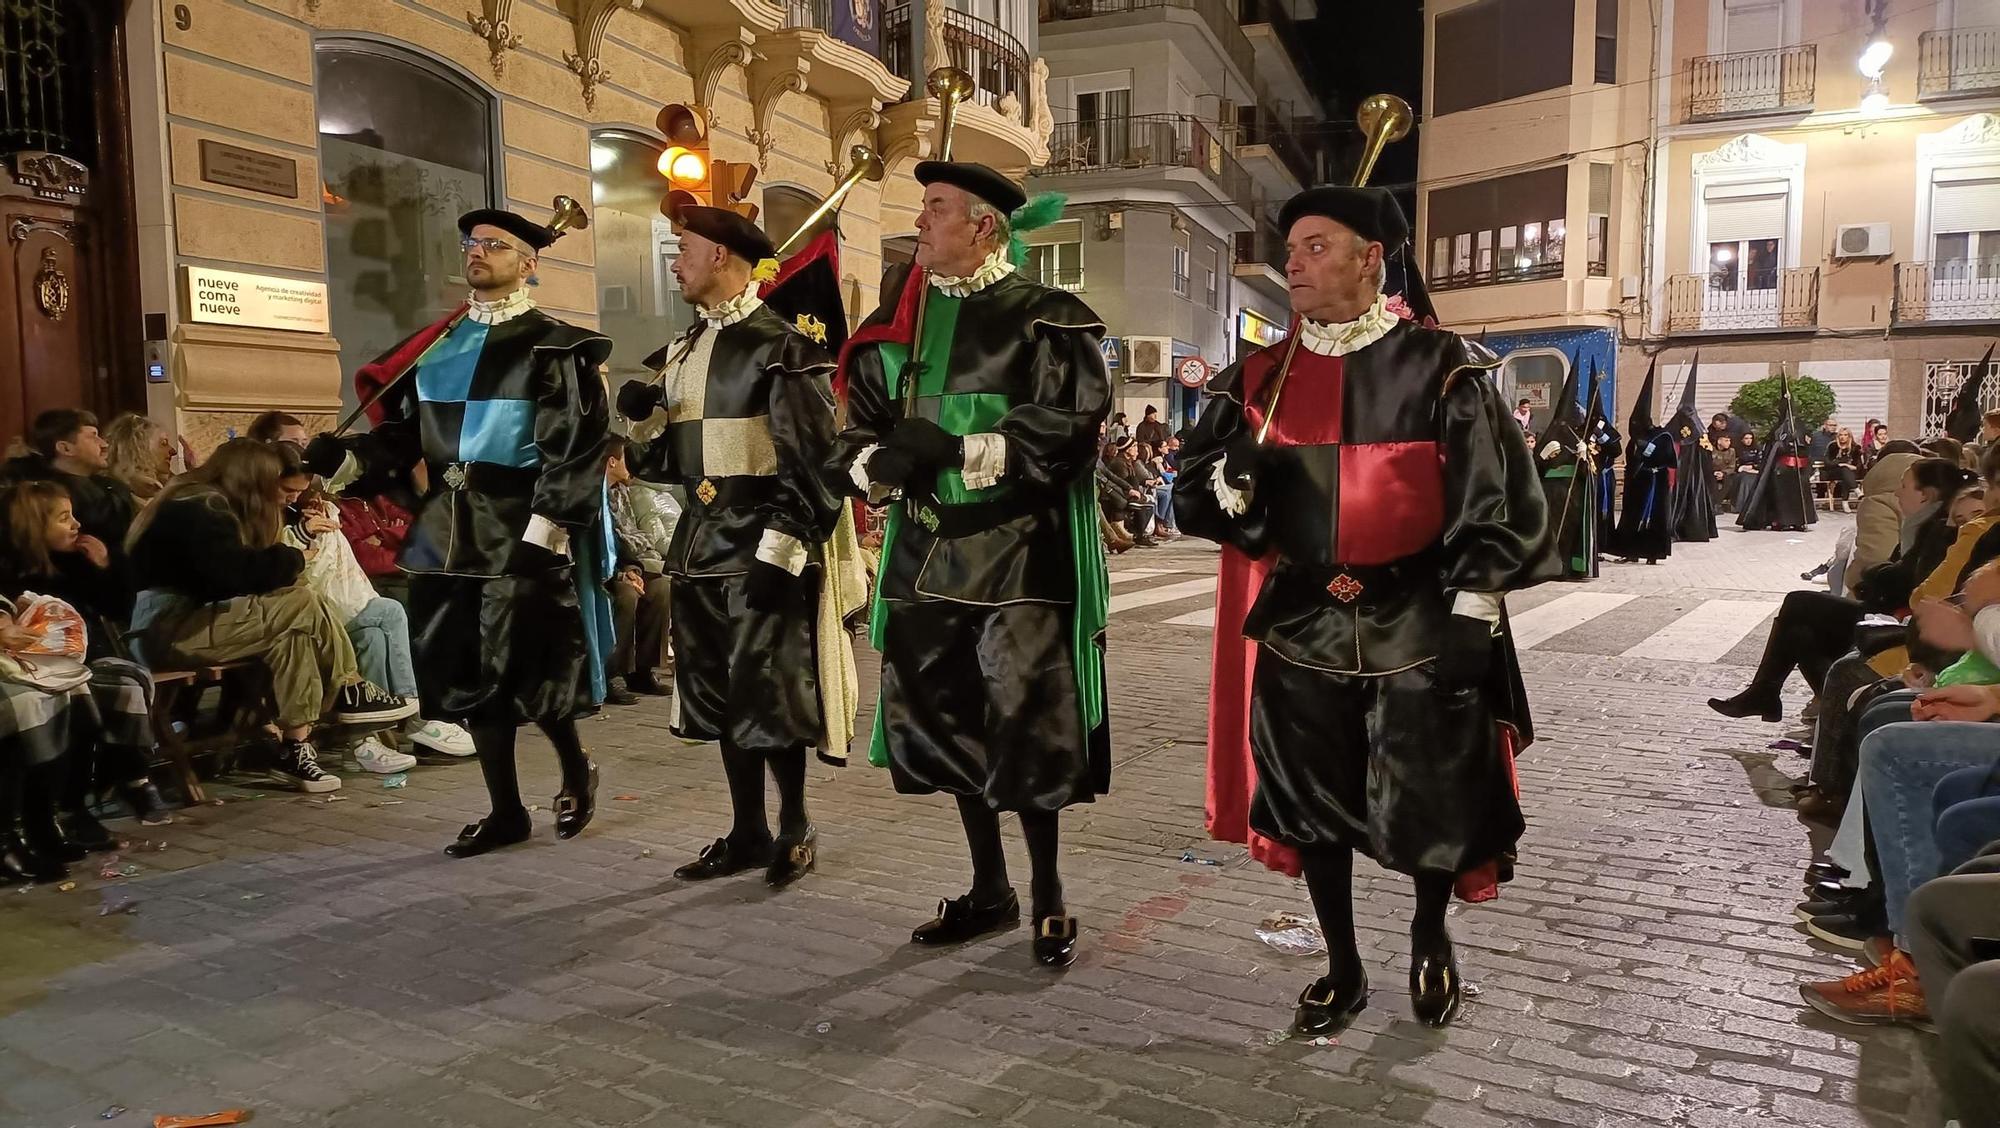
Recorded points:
(729, 183)
(685, 162)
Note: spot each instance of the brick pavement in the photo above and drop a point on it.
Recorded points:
(323, 963)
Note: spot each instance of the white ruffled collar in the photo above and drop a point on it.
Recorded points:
(996, 267)
(734, 310)
(1341, 338)
(505, 309)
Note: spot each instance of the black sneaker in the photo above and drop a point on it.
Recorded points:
(365, 703)
(298, 765)
(615, 693)
(1849, 931)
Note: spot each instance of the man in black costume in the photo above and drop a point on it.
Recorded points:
(741, 415)
(1569, 482)
(976, 394)
(1605, 446)
(1646, 523)
(1694, 502)
(508, 553)
(1370, 468)
(1782, 496)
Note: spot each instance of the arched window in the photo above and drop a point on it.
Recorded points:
(786, 207)
(406, 147)
(639, 303)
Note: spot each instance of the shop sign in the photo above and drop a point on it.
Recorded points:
(254, 301)
(1191, 371)
(1112, 359)
(1252, 326)
(249, 169)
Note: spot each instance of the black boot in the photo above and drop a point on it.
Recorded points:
(147, 805)
(22, 858)
(1752, 702)
(1435, 986)
(491, 833)
(574, 812)
(1328, 1006)
(82, 828)
(38, 816)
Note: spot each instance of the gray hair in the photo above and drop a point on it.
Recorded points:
(977, 209)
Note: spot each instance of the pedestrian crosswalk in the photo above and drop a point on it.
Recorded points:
(1556, 618)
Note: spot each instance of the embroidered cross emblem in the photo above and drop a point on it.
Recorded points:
(928, 518)
(705, 491)
(454, 475)
(1344, 588)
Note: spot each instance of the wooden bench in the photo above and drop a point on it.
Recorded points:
(246, 704)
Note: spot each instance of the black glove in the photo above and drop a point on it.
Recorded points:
(769, 588)
(1465, 655)
(640, 398)
(892, 468)
(1241, 456)
(324, 455)
(927, 444)
(529, 559)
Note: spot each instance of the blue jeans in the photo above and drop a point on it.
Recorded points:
(1966, 809)
(1849, 850)
(1901, 766)
(1163, 507)
(381, 634)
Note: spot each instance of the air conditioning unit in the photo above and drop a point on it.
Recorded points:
(1148, 358)
(1863, 240)
(1628, 287)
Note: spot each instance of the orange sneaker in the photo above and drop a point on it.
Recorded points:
(1880, 996)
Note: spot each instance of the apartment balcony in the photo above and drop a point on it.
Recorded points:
(994, 128)
(1961, 63)
(714, 20)
(1280, 45)
(1960, 291)
(1138, 151)
(1776, 301)
(1125, 19)
(1496, 276)
(1752, 83)
(1274, 153)
(1259, 262)
(842, 74)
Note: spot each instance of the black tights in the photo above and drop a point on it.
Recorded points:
(744, 769)
(1812, 631)
(494, 740)
(1329, 874)
(989, 860)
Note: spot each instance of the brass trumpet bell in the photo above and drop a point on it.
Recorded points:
(1382, 118)
(569, 216)
(862, 164)
(950, 86)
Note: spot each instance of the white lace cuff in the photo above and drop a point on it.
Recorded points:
(1477, 605)
(858, 474)
(1233, 501)
(782, 550)
(985, 459)
(546, 533)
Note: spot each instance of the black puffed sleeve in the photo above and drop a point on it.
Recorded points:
(1195, 509)
(1496, 536)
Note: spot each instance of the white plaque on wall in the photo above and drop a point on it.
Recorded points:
(254, 301)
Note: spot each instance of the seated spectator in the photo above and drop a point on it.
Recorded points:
(378, 627)
(1952, 923)
(1724, 463)
(1139, 492)
(278, 427)
(220, 587)
(1841, 470)
(1949, 449)
(1115, 498)
(1749, 462)
(65, 448)
(141, 455)
(1151, 431)
(643, 519)
(1163, 491)
(107, 742)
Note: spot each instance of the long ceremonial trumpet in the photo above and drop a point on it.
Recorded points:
(1384, 118)
(862, 164)
(950, 86)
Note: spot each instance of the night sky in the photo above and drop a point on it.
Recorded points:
(1368, 47)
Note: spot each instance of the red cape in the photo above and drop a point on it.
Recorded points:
(390, 366)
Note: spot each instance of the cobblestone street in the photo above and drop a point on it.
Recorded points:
(323, 963)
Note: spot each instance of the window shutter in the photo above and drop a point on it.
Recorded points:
(1733, 218)
(1600, 189)
(1965, 205)
(1753, 25)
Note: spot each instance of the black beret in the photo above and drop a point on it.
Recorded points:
(536, 235)
(1372, 213)
(727, 228)
(977, 179)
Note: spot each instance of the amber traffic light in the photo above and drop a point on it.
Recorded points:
(684, 163)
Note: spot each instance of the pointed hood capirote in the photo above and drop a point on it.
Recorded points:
(1641, 421)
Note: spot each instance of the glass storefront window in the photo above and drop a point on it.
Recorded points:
(639, 303)
(406, 147)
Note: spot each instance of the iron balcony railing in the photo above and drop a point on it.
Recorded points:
(809, 13)
(1958, 290)
(1287, 30)
(1219, 17)
(996, 60)
(1956, 63)
(1260, 125)
(1137, 141)
(1750, 83)
(1775, 299)
(1263, 246)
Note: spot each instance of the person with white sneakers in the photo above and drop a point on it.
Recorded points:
(378, 626)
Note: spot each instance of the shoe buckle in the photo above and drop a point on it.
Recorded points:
(801, 855)
(1058, 927)
(566, 804)
(1306, 996)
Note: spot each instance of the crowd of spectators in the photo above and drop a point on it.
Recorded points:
(1135, 482)
(123, 556)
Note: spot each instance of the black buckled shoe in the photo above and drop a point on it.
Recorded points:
(82, 828)
(1327, 1007)
(722, 858)
(1435, 987)
(792, 855)
(1055, 940)
(960, 920)
(574, 812)
(489, 834)
(34, 865)
(1750, 703)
